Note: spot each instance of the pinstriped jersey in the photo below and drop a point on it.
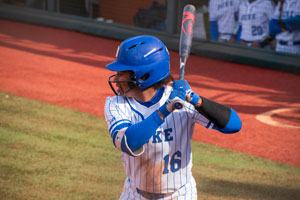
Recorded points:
(254, 18)
(166, 162)
(225, 13)
(291, 8)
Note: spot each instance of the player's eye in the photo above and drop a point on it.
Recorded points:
(116, 77)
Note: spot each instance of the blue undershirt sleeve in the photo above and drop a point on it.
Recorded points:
(274, 29)
(238, 34)
(138, 134)
(293, 22)
(213, 30)
(234, 124)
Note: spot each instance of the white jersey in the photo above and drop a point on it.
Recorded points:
(225, 12)
(166, 162)
(291, 8)
(254, 18)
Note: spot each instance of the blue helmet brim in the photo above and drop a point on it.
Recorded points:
(118, 67)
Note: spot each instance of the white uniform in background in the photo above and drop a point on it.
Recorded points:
(254, 19)
(225, 12)
(288, 41)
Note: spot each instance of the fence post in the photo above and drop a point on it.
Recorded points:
(172, 18)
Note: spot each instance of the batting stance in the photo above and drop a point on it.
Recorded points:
(153, 136)
(285, 26)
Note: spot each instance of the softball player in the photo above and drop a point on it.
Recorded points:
(287, 28)
(152, 135)
(254, 18)
(223, 19)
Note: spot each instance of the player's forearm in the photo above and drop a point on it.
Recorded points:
(274, 28)
(139, 134)
(293, 22)
(213, 30)
(238, 33)
(224, 118)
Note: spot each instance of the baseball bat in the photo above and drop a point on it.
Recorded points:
(186, 35)
(185, 42)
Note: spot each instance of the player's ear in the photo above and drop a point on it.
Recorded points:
(132, 83)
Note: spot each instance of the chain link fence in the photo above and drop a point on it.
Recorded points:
(149, 14)
(161, 15)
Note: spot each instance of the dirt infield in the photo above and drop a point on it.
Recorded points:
(68, 69)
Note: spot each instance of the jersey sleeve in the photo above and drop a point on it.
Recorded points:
(240, 13)
(212, 9)
(298, 8)
(129, 137)
(237, 5)
(115, 114)
(276, 11)
(270, 10)
(118, 121)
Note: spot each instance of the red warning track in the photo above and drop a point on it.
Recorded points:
(68, 69)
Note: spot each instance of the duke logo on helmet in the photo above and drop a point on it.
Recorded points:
(146, 56)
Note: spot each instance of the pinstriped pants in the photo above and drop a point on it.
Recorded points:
(186, 192)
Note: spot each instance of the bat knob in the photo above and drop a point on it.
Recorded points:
(178, 105)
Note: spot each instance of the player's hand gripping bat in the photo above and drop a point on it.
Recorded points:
(185, 43)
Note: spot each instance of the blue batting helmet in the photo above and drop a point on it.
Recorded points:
(145, 56)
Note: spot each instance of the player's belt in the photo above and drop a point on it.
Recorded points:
(149, 195)
(282, 42)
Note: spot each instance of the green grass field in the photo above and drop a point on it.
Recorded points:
(51, 152)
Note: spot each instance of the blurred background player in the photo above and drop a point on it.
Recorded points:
(254, 18)
(285, 26)
(223, 19)
(153, 136)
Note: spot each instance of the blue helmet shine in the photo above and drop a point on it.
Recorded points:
(145, 56)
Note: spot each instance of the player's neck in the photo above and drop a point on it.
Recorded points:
(145, 95)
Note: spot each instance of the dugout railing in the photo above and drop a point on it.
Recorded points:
(51, 13)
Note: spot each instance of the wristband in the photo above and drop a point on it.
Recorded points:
(195, 98)
(163, 110)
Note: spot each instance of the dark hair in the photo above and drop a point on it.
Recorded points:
(163, 82)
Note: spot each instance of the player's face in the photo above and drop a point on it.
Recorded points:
(121, 79)
(120, 83)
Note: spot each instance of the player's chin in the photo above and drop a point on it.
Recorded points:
(128, 93)
(120, 92)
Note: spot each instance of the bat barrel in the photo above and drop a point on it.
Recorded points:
(188, 20)
(186, 35)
